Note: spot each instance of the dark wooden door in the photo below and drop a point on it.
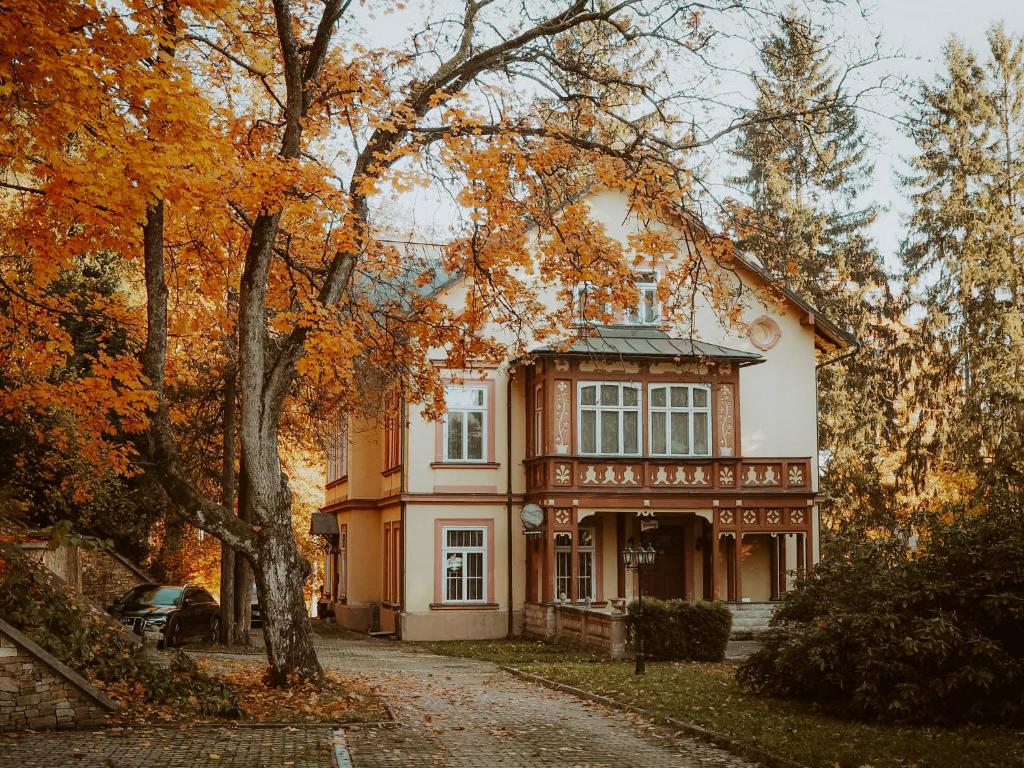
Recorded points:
(665, 579)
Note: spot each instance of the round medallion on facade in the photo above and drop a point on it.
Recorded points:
(764, 332)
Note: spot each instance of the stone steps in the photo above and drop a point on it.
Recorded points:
(750, 619)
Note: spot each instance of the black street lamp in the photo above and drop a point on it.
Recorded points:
(635, 560)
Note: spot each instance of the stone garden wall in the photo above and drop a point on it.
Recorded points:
(39, 692)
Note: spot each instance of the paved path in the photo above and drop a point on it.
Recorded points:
(450, 712)
(150, 747)
(467, 714)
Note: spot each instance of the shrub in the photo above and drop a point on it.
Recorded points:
(877, 632)
(676, 630)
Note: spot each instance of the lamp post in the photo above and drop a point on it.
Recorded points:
(635, 560)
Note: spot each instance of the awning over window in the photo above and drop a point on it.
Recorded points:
(624, 341)
(323, 524)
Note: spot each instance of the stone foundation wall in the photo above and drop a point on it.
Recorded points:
(105, 577)
(34, 695)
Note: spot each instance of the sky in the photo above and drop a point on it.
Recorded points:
(912, 35)
(920, 28)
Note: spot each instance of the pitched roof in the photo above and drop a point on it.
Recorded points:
(642, 341)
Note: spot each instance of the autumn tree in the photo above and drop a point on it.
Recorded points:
(965, 266)
(805, 219)
(241, 156)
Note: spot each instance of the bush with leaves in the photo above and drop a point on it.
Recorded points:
(37, 603)
(932, 636)
(677, 630)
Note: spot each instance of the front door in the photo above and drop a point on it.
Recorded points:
(665, 578)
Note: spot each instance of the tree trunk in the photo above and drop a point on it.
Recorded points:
(227, 554)
(242, 575)
(281, 573)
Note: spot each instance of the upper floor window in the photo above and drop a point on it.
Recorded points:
(337, 451)
(538, 420)
(465, 428)
(609, 418)
(591, 303)
(648, 310)
(680, 419)
(392, 428)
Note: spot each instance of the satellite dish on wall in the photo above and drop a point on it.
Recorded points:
(532, 517)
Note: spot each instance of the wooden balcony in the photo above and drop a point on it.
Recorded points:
(688, 476)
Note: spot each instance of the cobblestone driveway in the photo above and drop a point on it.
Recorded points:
(466, 714)
(169, 748)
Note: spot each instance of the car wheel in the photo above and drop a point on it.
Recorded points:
(215, 629)
(172, 637)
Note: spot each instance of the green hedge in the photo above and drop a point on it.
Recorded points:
(676, 630)
(934, 636)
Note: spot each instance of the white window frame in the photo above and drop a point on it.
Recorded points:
(634, 315)
(620, 409)
(668, 409)
(538, 420)
(463, 551)
(483, 409)
(337, 451)
(581, 550)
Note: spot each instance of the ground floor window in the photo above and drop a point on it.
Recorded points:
(585, 576)
(392, 550)
(341, 575)
(464, 564)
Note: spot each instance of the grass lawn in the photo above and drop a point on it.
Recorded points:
(707, 695)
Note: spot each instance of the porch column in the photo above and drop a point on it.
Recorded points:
(773, 567)
(809, 555)
(713, 547)
(738, 566)
(801, 565)
(689, 558)
(783, 539)
(620, 544)
(574, 559)
(548, 587)
(730, 567)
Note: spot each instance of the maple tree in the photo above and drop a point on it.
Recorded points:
(241, 158)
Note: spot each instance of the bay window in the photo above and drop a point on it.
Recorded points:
(680, 419)
(465, 427)
(464, 564)
(609, 418)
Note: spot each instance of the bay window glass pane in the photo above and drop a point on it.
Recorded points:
(658, 431)
(456, 423)
(658, 397)
(700, 398)
(680, 436)
(629, 396)
(588, 395)
(700, 433)
(453, 577)
(609, 394)
(649, 313)
(630, 431)
(609, 432)
(679, 397)
(585, 584)
(475, 427)
(586, 537)
(588, 431)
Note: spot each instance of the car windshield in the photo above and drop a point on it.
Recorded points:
(152, 596)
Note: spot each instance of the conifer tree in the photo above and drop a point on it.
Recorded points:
(806, 223)
(964, 258)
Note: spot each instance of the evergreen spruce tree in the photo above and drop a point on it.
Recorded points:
(806, 223)
(964, 258)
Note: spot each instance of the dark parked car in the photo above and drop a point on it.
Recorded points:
(173, 613)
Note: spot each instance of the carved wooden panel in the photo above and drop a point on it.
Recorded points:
(725, 420)
(609, 474)
(563, 414)
(697, 476)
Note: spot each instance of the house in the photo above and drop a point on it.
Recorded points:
(701, 445)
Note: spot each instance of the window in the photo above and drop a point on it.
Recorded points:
(464, 564)
(588, 306)
(585, 581)
(609, 418)
(648, 310)
(337, 451)
(465, 427)
(392, 428)
(392, 548)
(680, 419)
(538, 420)
(341, 577)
